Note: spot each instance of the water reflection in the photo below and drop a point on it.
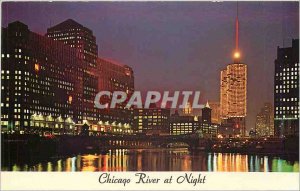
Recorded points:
(162, 160)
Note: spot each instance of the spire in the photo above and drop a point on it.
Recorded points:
(236, 54)
(237, 27)
(207, 105)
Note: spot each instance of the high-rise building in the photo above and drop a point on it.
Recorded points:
(113, 76)
(233, 91)
(98, 75)
(234, 95)
(286, 90)
(215, 112)
(224, 94)
(40, 83)
(82, 39)
(264, 126)
(49, 86)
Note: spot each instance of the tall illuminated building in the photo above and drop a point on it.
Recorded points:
(233, 91)
(82, 39)
(286, 90)
(40, 89)
(264, 126)
(113, 76)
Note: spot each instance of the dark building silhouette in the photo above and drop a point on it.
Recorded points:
(208, 128)
(206, 114)
(286, 90)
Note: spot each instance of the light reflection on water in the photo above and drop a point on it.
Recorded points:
(163, 160)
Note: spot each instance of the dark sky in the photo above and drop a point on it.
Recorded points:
(178, 45)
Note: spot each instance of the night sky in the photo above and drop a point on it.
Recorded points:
(178, 45)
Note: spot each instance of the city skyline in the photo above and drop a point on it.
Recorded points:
(145, 58)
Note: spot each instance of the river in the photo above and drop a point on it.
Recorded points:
(179, 159)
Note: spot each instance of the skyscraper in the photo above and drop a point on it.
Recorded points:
(99, 74)
(40, 83)
(82, 39)
(265, 121)
(113, 76)
(233, 90)
(286, 90)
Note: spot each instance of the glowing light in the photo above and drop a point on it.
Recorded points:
(36, 67)
(70, 99)
(236, 55)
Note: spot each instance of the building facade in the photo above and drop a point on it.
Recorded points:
(151, 121)
(286, 91)
(233, 96)
(83, 41)
(206, 127)
(40, 83)
(180, 125)
(98, 75)
(48, 85)
(264, 126)
(112, 77)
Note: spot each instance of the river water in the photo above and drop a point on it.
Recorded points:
(161, 160)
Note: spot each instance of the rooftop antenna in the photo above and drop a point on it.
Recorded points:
(237, 27)
(236, 51)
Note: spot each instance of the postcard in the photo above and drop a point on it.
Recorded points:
(150, 95)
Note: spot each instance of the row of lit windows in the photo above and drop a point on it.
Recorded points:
(4, 116)
(288, 99)
(4, 105)
(182, 126)
(287, 108)
(4, 71)
(283, 91)
(182, 131)
(18, 56)
(289, 78)
(286, 86)
(290, 69)
(3, 55)
(287, 112)
(286, 117)
(287, 74)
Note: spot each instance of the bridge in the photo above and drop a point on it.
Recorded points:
(67, 144)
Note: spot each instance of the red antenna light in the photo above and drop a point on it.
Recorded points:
(237, 28)
(237, 54)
